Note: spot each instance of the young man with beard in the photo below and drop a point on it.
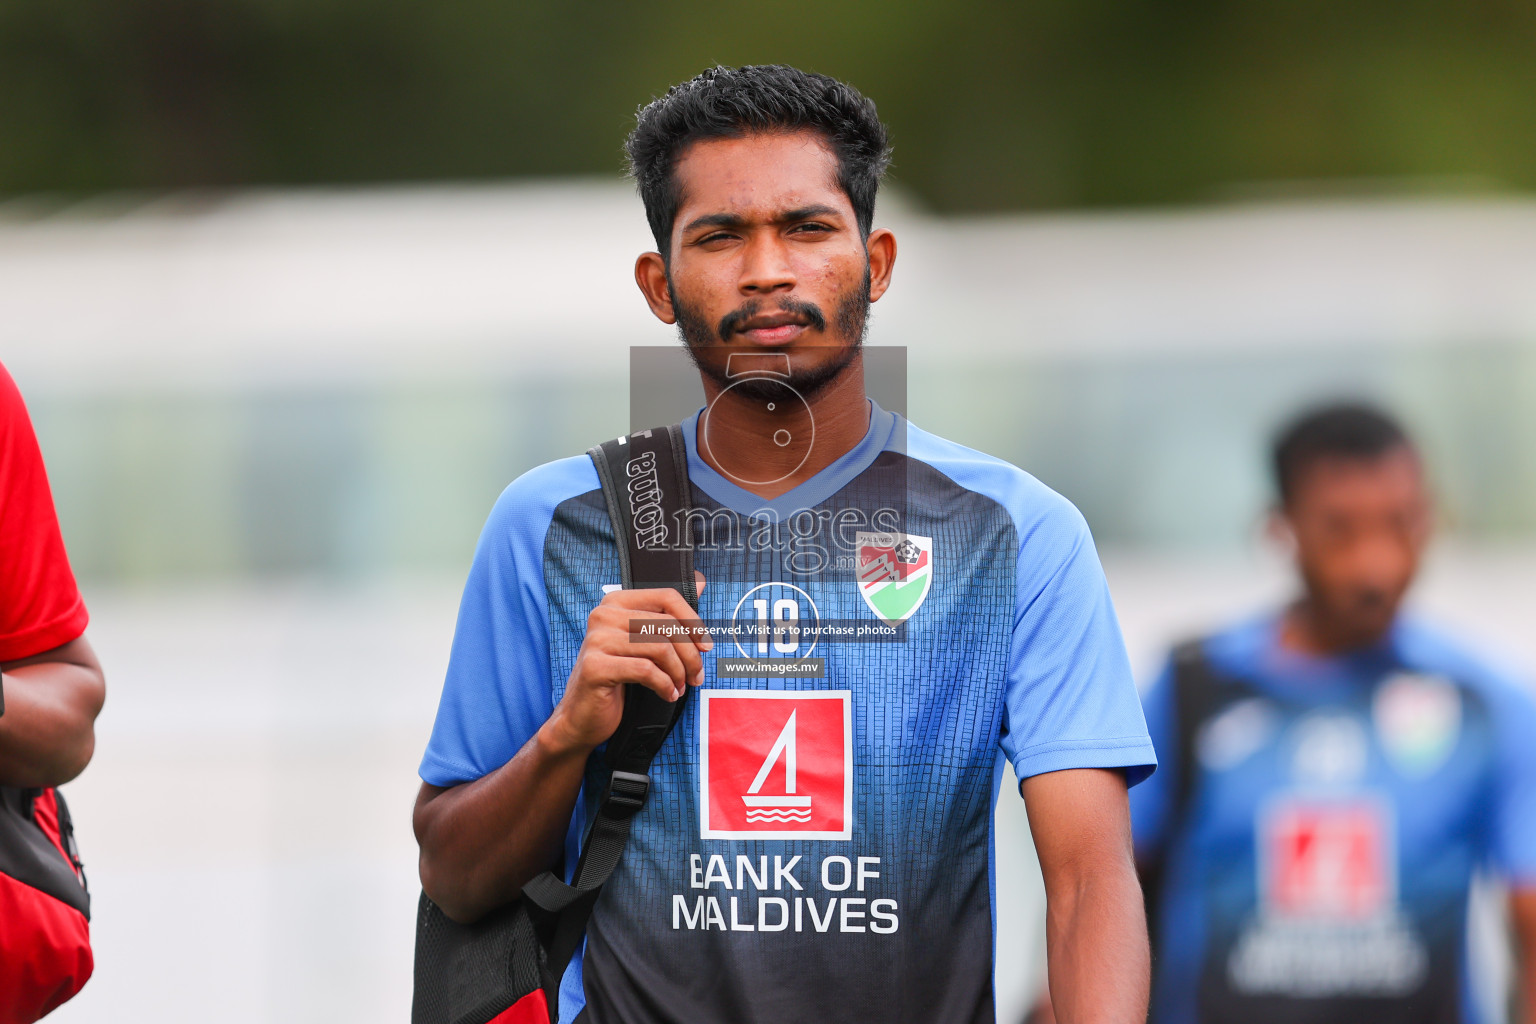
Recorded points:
(812, 848)
(1334, 773)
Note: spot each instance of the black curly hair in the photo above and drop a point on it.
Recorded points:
(1347, 430)
(727, 103)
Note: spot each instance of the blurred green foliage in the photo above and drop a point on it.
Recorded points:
(993, 105)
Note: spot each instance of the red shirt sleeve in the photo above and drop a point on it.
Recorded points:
(40, 606)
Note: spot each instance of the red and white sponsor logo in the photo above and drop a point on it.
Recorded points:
(775, 764)
(1328, 860)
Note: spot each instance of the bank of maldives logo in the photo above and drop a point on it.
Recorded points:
(1329, 860)
(775, 764)
(895, 573)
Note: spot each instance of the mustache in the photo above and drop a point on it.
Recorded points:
(1371, 595)
(733, 321)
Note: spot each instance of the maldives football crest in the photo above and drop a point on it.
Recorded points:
(895, 571)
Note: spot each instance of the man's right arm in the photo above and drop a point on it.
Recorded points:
(482, 841)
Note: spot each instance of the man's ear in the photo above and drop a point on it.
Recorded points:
(1277, 527)
(651, 276)
(881, 248)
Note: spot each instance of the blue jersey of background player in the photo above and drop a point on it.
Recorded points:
(1335, 773)
(812, 849)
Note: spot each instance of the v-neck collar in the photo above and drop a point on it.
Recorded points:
(882, 427)
(1326, 673)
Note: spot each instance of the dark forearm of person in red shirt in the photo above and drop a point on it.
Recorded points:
(48, 730)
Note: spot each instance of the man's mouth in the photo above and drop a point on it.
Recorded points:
(775, 329)
(780, 325)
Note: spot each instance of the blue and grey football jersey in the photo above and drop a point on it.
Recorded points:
(815, 846)
(1319, 867)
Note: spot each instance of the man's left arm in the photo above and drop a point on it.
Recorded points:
(47, 731)
(1075, 733)
(1512, 841)
(1095, 923)
(1522, 919)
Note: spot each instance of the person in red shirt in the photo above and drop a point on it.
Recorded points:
(51, 690)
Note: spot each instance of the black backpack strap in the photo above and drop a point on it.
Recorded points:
(1198, 690)
(645, 484)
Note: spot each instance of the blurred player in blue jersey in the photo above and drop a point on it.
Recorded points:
(1334, 773)
(814, 848)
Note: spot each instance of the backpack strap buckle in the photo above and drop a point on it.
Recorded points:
(626, 794)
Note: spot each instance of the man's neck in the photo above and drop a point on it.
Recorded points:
(1306, 630)
(839, 411)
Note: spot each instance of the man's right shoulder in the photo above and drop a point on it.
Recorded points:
(528, 504)
(1236, 646)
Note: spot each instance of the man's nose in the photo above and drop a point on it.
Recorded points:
(1383, 562)
(766, 267)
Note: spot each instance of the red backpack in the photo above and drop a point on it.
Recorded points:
(45, 910)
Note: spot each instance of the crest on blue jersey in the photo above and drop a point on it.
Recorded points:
(895, 572)
(1418, 718)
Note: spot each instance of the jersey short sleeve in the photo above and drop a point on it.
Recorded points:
(1512, 838)
(1071, 698)
(498, 689)
(1151, 801)
(40, 605)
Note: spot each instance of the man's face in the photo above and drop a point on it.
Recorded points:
(1360, 527)
(766, 257)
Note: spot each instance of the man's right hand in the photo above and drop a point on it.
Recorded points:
(593, 703)
(482, 841)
